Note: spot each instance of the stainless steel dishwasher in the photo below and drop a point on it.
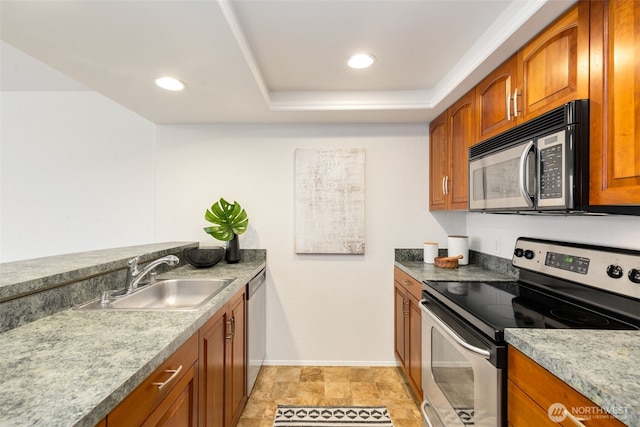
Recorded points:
(257, 322)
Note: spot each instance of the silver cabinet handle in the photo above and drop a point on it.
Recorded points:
(230, 331)
(480, 351)
(444, 190)
(508, 96)
(446, 184)
(523, 174)
(515, 103)
(174, 373)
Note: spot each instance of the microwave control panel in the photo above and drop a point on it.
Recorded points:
(552, 166)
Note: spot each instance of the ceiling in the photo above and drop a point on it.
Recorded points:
(266, 61)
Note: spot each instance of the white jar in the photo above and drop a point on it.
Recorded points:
(430, 251)
(459, 245)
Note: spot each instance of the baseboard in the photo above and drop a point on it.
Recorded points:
(330, 363)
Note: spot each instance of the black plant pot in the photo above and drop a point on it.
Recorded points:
(232, 255)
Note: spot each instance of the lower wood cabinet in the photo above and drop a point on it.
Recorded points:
(408, 328)
(203, 383)
(167, 397)
(532, 391)
(223, 391)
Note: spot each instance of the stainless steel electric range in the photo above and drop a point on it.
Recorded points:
(560, 285)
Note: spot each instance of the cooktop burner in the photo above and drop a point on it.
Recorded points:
(579, 317)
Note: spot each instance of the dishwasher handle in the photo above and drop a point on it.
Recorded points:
(255, 283)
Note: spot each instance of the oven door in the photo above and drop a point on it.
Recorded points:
(461, 385)
(504, 180)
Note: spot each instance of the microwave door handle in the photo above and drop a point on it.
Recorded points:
(522, 179)
(480, 351)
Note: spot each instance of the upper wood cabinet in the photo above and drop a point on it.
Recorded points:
(493, 98)
(450, 136)
(615, 97)
(551, 70)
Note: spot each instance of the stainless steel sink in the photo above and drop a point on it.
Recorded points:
(172, 294)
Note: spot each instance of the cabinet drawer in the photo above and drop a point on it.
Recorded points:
(134, 409)
(409, 283)
(545, 389)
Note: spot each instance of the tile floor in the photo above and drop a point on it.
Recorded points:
(330, 386)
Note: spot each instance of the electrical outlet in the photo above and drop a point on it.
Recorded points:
(497, 246)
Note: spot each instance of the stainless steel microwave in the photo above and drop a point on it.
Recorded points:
(541, 165)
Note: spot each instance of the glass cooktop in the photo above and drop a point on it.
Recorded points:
(493, 306)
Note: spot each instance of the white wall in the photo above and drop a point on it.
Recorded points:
(321, 309)
(77, 173)
(496, 234)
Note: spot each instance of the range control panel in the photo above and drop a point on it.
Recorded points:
(611, 269)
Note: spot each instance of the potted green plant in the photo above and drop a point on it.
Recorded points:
(229, 221)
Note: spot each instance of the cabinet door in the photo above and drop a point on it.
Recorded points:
(213, 336)
(553, 68)
(415, 346)
(237, 379)
(461, 137)
(493, 99)
(615, 96)
(179, 408)
(399, 322)
(160, 390)
(532, 389)
(438, 162)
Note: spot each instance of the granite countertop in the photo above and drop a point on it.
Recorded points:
(422, 271)
(74, 367)
(34, 275)
(601, 365)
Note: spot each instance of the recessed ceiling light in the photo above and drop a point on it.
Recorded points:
(361, 60)
(169, 83)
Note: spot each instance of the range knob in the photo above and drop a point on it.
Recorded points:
(634, 275)
(518, 252)
(528, 254)
(614, 271)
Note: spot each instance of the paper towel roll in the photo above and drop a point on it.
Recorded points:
(430, 251)
(459, 245)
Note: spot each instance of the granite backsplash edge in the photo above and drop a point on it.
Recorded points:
(490, 262)
(35, 299)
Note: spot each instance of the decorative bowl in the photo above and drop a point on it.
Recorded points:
(447, 261)
(204, 257)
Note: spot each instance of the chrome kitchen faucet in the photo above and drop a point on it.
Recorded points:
(134, 276)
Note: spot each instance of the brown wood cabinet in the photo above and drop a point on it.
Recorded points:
(532, 390)
(408, 328)
(493, 98)
(202, 384)
(223, 392)
(168, 397)
(615, 97)
(551, 70)
(450, 136)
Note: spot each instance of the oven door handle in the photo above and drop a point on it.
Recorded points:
(426, 407)
(480, 351)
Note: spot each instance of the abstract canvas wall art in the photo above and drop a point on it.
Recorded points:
(330, 201)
